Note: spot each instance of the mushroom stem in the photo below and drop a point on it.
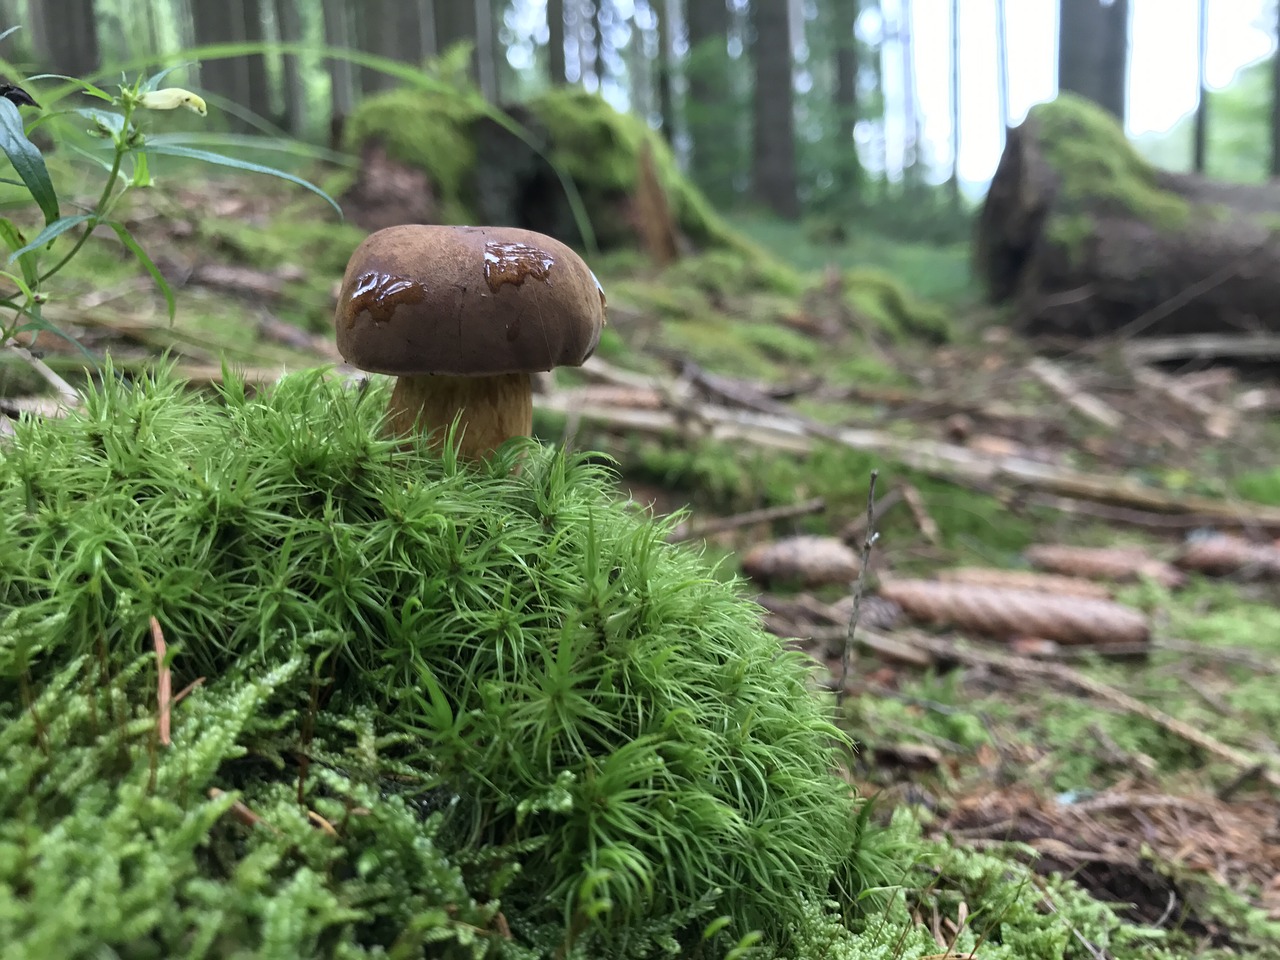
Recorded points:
(493, 409)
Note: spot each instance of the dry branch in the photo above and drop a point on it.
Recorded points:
(692, 531)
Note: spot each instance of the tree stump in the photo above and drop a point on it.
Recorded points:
(1083, 238)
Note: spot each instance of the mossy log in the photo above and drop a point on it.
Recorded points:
(1084, 238)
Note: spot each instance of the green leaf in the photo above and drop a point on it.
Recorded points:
(16, 26)
(141, 169)
(27, 160)
(136, 249)
(84, 85)
(51, 232)
(12, 237)
(153, 82)
(174, 150)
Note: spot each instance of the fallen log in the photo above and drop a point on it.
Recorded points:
(1085, 238)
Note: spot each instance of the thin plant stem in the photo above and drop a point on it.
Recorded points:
(868, 541)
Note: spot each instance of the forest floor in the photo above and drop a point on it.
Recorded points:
(1136, 751)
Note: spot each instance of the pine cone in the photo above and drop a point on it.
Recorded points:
(1222, 554)
(811, 561)
(1120, 564)
(1002, 612)
(1026, 580)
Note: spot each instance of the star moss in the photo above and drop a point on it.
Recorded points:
(444, 693)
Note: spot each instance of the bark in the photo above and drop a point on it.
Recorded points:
(1093, 51)
(257, 80)
(1087, 258)
(65, 35)
(555, 41)
(774, 146)
(953, 182)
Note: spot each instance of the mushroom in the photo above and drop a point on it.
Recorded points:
(461, 316)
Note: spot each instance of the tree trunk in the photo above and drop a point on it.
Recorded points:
(849, 168)
(456, 23)
(1082, 237)
(555, 41)
(1200, 130)
(953, 182)
(65, 36)
(486, 58)
(774, 146)
(1093, 51)
(665, 67)
(1002, 67)
(289, 24)
(713, 123)
(257, 81)
(223, 21)
(1275, 105)
(342, 86)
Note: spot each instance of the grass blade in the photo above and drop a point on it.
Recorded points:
(136, 249)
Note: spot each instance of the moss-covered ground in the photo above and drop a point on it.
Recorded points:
(228, 844)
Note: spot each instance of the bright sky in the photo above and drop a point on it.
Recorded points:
(1162, 65)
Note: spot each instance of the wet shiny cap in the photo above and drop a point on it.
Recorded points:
(467, 301)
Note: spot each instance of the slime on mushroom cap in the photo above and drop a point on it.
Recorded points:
(379, 294)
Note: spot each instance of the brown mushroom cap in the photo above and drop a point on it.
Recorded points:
(466, 301)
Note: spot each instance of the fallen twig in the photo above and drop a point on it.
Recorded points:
(69, 395)
(164, 683)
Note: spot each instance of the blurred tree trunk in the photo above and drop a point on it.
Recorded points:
(774, 146)
(1093, 51)
(911, 173)
(240, 80)
(289, 23)
(708, 111)
(455, 23)
(1002, 68)
(665, 60)
(555, 41)
(592, 41)
(953, 182)
(1275, 104)
(1200, 130)
(640, 67)
(845, 18)
(64, 35)
(342, 86)
(486, 56)
(258, 80)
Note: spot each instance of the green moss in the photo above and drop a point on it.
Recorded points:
(1262, 486)
(1098, 169)
(426, 129)
(891, 309)
(618, 752)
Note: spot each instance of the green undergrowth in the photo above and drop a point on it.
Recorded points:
(618, 754)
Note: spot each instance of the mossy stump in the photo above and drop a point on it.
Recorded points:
(1085, 238)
